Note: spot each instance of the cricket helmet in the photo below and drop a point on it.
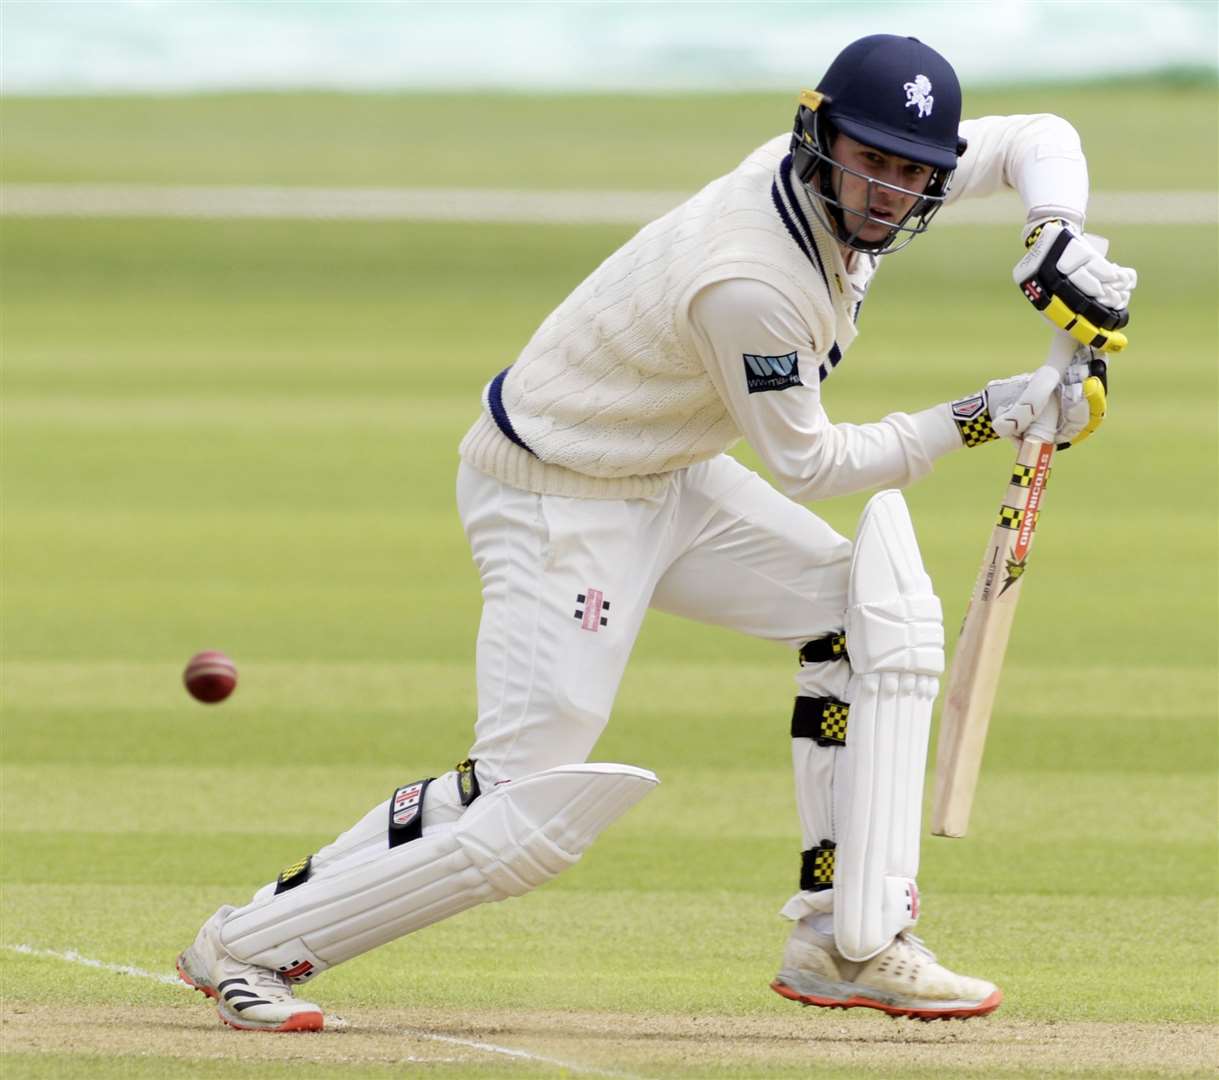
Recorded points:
(894, 94)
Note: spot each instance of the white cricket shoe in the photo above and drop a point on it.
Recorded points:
(247, 997)
(902, 980)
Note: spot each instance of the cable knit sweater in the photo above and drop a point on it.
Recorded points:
(616, 390)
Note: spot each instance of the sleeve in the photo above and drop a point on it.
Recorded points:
(1040, 156)
(761, 356)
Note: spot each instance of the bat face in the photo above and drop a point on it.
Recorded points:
(977, 663)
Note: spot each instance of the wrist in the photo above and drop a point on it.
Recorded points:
(1039, 215)
(938, 429)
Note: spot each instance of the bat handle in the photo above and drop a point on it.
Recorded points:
(1062, 349)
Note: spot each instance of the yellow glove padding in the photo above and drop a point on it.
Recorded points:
(1067, 278)
(1106, 341)
(1098, 407)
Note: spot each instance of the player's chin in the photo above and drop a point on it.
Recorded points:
(874, 232)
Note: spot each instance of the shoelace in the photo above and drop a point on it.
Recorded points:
(271, 984)
(917, 943)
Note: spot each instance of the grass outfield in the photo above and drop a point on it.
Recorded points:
(242, 435)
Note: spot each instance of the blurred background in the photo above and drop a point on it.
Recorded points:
(116, 46)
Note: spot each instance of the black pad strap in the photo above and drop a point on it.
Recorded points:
(292, 876)
(817, 867)
(820, 650)
(467, 782)
(406, 812)
(822, 719)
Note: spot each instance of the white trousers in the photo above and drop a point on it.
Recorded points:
(566, 583)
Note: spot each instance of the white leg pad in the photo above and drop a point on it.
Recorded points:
(895, 638)
(510, 840)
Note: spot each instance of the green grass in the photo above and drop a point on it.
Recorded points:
(1140, 135)
(243, 435)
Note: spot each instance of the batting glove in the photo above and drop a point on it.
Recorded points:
(1007, 407)
(1074, 286)
(1090, 402)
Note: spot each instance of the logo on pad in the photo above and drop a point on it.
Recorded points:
(406, 804)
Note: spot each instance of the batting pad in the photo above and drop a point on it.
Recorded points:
(895, 637)
(510, 840)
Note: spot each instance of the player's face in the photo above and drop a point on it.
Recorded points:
(859, 198)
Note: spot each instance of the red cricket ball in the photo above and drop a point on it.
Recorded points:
(210, 677)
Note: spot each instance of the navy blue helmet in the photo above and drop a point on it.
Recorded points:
(900, 97)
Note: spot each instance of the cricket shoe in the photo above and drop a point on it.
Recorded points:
(903, 979)
(248, 997)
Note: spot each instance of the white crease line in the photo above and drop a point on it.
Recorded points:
(508, 206)
(491, 1048)
(73, 957)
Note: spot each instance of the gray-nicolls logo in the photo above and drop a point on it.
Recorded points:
(918, 95)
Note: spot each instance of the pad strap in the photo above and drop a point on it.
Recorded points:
(817, 867)
(406, 812)
(292, 876)
(822, 650)
(822, 719)
(467, 782)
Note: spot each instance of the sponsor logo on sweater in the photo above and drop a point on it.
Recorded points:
(771, 372)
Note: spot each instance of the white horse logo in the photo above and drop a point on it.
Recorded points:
(918, 95)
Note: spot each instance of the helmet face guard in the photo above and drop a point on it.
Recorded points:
(814, 165)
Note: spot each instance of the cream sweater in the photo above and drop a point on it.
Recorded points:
(645, 367)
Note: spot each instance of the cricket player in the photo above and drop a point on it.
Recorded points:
(596, 484)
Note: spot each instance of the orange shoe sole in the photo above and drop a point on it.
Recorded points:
(307, 1021)
(981, 1009)
(207, 990)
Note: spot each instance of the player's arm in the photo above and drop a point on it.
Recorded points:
(763, 360)
(1073, 285)
(761, 356)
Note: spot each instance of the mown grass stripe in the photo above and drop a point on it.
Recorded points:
(494, 205)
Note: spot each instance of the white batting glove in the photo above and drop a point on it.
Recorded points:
(1074, 286)
(1007, 407)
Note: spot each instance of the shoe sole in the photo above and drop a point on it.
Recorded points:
(202, 987)
(305, 1021)
(989, 1005)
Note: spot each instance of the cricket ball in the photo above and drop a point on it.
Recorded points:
(210, 677)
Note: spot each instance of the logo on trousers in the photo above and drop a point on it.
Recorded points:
(592, 610)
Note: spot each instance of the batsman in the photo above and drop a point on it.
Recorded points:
(595, 484)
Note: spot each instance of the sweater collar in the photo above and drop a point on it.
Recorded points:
(795, 207)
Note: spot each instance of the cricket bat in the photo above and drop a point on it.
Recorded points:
(977, 663)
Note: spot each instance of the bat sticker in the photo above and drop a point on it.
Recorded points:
(1015, 571)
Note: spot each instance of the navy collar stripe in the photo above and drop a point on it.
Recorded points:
(787, 221)
(495, 399)
(835, 354)
(785, 174)
(809, 247)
